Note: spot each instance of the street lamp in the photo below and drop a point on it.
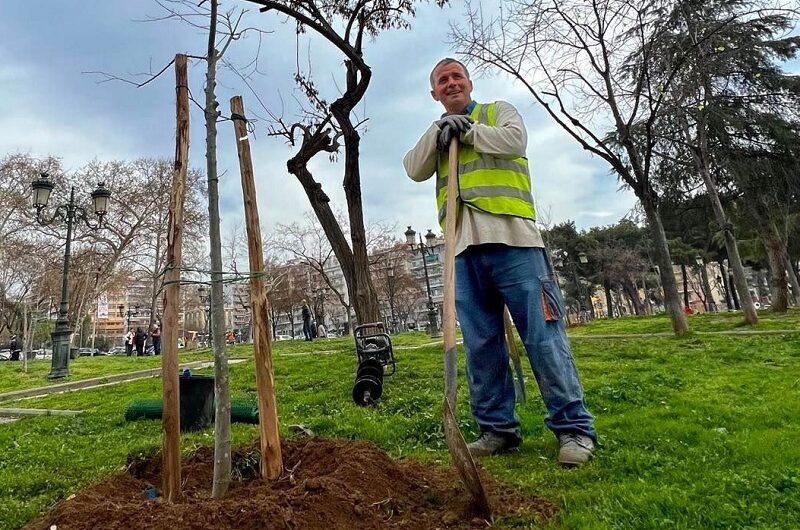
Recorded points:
(128, 314)
(424, 251)
(205, 298)
(67, 213)
(390, 282)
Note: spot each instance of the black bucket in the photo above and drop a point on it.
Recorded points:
(197, 402)
(369, 383)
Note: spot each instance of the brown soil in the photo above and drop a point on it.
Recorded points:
(328, 484)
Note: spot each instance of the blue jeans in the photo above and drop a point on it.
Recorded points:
(487, 277)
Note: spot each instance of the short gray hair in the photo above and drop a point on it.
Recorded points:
(445, 61)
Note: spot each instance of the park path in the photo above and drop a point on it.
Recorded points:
(98, 382)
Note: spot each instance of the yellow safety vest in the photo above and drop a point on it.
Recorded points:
(487, 183)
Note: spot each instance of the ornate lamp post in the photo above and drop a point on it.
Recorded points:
(390, 284)
(205, 298)
(425, 250)
(128, 314)
(67, 213)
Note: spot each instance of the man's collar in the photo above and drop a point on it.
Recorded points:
(467, 110)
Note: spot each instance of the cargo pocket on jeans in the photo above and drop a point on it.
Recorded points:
(551, 299)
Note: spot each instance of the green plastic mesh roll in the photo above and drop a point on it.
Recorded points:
(242, 410)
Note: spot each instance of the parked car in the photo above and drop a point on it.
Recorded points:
(117, 350)
(43, 354)
(5, 355)
(283, 337)
(90, 352)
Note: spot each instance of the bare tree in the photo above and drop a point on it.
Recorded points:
(344, 24)
(573, 58)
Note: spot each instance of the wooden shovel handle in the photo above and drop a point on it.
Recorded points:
(449, 307)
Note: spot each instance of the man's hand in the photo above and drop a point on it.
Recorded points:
(450, 127)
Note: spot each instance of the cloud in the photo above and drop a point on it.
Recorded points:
(56, 109)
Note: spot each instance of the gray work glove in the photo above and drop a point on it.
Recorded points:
(451, 126)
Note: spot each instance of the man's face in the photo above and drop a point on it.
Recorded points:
(451, 87)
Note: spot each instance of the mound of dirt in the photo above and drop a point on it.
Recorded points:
(327, 484)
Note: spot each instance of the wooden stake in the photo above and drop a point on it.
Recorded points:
(171, 420)
(271, 462)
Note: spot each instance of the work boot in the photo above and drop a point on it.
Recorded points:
(491, 443)
(574, 450)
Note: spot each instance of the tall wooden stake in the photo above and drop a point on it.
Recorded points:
(171, 421)
(271, 462)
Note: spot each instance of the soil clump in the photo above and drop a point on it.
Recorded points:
(327, 485)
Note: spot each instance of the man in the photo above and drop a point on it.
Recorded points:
(156, 336)
(14, 348)
(501, 260)
(306, 314)
(129, 342)
(139, 338)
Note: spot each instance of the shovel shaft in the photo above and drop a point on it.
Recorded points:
(462, 459)
(449, 307)
(513, 352)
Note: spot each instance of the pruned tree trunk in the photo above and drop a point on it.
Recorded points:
(633, 294)
(732, 249)
(607, 289)
(711, 305)
(364, 298)
(793, 281)
(734, 296)
(780, 289)
(723, 272)
(701, 156)
(685, 280)
(672, 303)
(647, 300)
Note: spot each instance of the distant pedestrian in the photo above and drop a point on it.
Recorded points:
(307, 328)
(14, 347)
(138, 340)
(156, 336)
(129, 342)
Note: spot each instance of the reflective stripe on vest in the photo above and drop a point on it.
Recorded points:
(494, 185)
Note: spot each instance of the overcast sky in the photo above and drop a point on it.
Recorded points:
(52, 107)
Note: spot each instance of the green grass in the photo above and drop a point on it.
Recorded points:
(698, 432)
(706, 322)
(13, 376)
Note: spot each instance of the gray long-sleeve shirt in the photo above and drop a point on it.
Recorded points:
(507, 139)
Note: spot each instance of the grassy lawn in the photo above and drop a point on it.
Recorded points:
(703, 322)
(13, 376)
(699, 432)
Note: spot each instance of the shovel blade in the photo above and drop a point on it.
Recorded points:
(464, 463)
(519, 381)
